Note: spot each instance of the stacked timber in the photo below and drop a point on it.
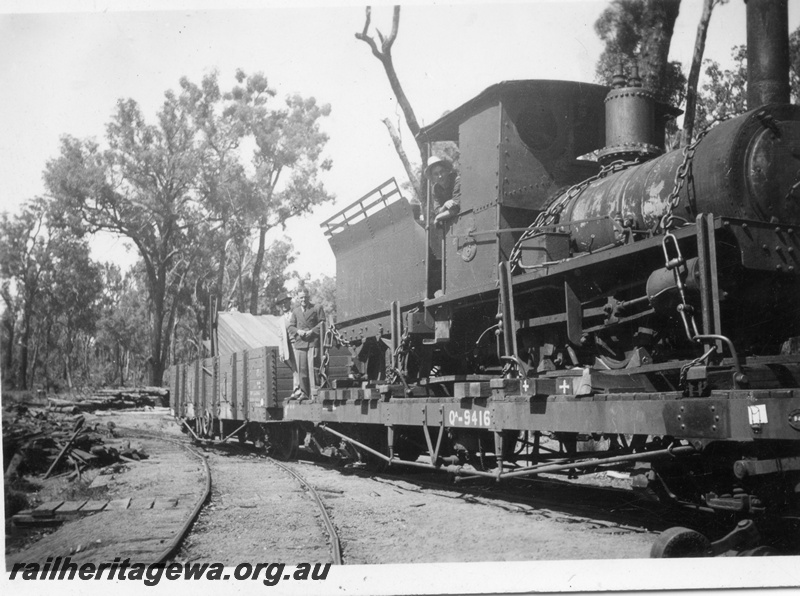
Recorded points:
(104, 399)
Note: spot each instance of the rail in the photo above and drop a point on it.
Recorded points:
(172, 546)
(336, 547)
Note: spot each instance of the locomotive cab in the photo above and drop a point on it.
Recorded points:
(528, 137)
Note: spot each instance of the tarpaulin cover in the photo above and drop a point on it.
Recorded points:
(238, 331)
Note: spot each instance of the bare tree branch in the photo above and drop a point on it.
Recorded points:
(385, 56)
(398, 146)
(694, 71)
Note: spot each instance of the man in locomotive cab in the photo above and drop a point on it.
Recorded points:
(445, 189)
(305, 328)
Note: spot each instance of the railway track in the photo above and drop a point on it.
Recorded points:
(173, 544)
(336, 548)
(142, 511)
(620, 510)
(260, 510)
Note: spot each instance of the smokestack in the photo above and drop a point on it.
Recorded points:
(767, 52)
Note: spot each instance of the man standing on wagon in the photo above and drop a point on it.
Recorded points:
(305, 328)
(284, 302)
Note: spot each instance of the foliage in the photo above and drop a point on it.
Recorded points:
(286, 159)
(323, 292)
(723, 95)
(188, 197)
(121, 331)
(638, 33)
(724, 92)
(794, 65)
(52, 294)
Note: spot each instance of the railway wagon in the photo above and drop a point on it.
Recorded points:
(592, 285)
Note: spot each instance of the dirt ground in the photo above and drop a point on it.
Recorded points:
(258, 513)
(169, 473)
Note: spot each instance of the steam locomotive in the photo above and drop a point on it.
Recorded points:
(592, 285)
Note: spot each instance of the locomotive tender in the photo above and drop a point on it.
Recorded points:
(645, 296)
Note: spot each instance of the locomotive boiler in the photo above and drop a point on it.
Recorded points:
(592, 285)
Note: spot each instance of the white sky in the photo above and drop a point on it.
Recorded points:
(62, 72)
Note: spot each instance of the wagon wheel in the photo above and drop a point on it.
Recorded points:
(284, 440)
(680, 542)
(201, 427)
(204, 424)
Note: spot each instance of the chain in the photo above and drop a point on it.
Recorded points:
(677, 264)
(552, 212)
(667, 221)
(332, 336)
(337, 336)
(327, 342)
(394, 372)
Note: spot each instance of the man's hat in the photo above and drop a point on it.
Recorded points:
(436, 160)
(282, 297)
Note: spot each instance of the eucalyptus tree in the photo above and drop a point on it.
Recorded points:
(51, 288)
(140, 187)
(262, 159)
(23, 259)
(184, 190)
(639, 32)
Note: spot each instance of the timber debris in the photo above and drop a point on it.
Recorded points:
(51, 442)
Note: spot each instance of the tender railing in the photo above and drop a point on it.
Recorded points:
(370, 203)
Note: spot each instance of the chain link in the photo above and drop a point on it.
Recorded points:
(332, 336)
(550, 215)
(667, 221)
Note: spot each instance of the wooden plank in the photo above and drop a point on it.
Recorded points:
(71, 508)
(118, 504)
(141, 503)
(47, 509)
(476, 389)
(165, 503)
(93, 506)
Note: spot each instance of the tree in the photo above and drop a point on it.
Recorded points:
(384, 55)
(694, 71)
(179, 190)
(724, 93)
(323, 292)
(24, 256)
(278, 257)
(121, 331)
(71, 305)
(794, 65)
(51, 285)
(639, 33)
(139, 188)
(287, 159)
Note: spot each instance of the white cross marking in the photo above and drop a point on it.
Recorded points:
(525, 385)
(564, 386)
